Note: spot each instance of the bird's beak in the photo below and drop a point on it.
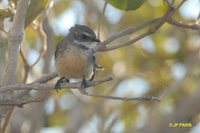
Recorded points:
(97, 40)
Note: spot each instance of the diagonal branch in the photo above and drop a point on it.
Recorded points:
(158, 23)
(127, 31)
(167, 18)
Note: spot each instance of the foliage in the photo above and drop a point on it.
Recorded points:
(126, 4)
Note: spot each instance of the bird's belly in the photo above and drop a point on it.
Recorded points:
(74, 65)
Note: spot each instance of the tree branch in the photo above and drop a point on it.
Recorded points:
(15, 36)
(102, 46)
(101, 18)
(20, 102)
(41, 86)
(158, 23)
(147, 98)
(45, 78)
(43, 37)
(26, 66)
(192, 26)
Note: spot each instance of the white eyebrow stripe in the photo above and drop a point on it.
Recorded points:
(87, 34)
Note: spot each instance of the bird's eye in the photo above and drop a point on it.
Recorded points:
(84, 36)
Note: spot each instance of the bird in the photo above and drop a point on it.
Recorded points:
(75, 57)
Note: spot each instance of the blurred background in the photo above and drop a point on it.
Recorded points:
(163, 64)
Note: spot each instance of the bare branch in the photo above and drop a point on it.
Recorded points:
(46, 77)
(26, 66)
(193, 26)
(15, 36)
(8, 116)
(171, 20)
(41, 86)
(101, 18)
(159, 22)
(127, 31)
(147, 98)
(43, 79)
(44, 42)
(21, 102)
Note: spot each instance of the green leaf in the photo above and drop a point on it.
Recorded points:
(5, 14)
(35, 8)
(126, 4)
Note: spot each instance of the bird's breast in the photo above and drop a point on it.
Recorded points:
(74, 63)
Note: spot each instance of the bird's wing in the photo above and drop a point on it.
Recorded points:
(61, 46)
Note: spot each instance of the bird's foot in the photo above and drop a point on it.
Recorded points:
(59, 82)
(82, 89)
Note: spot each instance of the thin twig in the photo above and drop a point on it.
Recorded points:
(171, 20)
(193, 26)
(8, 116)
(101, 18)
(147, 98)
(160, 22)
(44, 42)
(127, 31)
(26, 66)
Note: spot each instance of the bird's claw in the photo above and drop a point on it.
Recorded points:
(57, 86)
(59, 82)
(82, 89)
